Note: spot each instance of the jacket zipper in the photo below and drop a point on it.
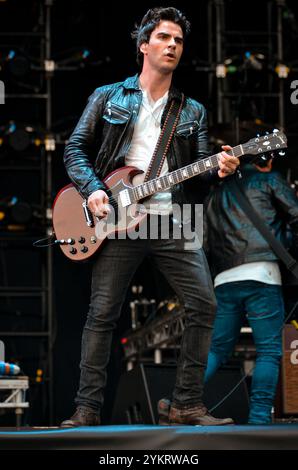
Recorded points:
(185, 125)
(117, 110)
(131, 119)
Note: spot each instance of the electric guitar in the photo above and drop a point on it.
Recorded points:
(80, 234)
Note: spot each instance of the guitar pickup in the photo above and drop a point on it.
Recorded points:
(124, 198)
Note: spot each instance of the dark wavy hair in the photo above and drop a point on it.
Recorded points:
(149, 22)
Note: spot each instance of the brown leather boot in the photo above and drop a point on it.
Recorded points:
(195, 416)
(163, 408)
(82, 417)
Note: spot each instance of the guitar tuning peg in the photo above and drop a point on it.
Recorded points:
(258, 135)
(267, 133)
(275, 131)
(281, 153)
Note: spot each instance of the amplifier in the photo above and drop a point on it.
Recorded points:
(290, 370)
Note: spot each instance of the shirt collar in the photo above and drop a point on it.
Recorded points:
(132, 83)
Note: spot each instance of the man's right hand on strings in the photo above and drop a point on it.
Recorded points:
(98, 203)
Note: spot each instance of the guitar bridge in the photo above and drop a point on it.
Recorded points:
(87, 214)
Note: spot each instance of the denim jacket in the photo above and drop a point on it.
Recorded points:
(230, 238)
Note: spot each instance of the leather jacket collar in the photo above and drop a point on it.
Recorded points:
(132, 83)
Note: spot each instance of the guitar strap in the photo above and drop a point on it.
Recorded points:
(164, 140)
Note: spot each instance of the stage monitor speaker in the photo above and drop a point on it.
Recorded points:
(140, 389)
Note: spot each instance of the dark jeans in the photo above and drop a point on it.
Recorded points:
(264, 307)
(187, 272)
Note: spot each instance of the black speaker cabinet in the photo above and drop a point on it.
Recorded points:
(140, 389)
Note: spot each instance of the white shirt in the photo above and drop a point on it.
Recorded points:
(262, 271)
(144, 140)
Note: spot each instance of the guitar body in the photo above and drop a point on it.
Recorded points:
(83, 239)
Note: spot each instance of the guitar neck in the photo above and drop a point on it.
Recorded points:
(165, 182)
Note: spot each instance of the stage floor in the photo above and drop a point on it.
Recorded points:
(144, 437)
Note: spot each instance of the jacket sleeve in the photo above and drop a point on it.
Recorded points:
(286, 202)
(202, 146)
(80, 147)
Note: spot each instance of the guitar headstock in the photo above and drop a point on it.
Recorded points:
(266, 143)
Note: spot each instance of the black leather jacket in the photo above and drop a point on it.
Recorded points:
(103, 135)
(230, 237)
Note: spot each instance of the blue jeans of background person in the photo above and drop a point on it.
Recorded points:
(187, 272)
(264, 308)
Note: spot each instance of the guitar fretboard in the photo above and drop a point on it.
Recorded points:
(165, 182)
